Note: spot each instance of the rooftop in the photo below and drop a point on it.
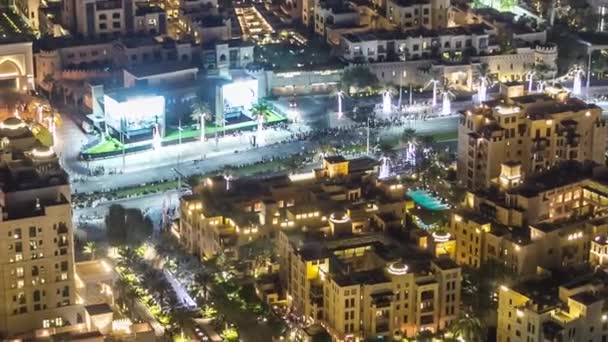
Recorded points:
(369, 277)
(98, 309)
(475, 29)
(152, 69)
(562, 174)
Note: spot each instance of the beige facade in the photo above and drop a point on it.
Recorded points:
(550, 220)
(342, 283)
(537, 131)
(37, 246)
(550, 309)
(16, 66)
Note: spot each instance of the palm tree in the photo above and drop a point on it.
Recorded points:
(483, 76)
(468, 328)
(90, 248)
(228, 174)
(53, 120)
(447, 95)
(261, 111)
(434, 81)
(203, 279)
(49, 81)
(201, 112)
(408, 136)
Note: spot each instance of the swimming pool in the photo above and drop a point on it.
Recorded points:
(426, 200)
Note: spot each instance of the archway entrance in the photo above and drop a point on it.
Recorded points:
(9, 75)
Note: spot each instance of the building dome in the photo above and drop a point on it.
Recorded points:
(339, 217)
(398, 268)
(42, 152)
(12, 127)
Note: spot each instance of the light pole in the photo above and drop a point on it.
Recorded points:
(589, 51)
(179, 141)
(367, 140)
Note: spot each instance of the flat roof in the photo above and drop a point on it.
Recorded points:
(98, 309)
(152, 69)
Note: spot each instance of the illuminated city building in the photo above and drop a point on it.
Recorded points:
(562, 307)
(337, 264)
(359, 286)
(535, 131)
(547, 220)
(16, 65)
(37, 260)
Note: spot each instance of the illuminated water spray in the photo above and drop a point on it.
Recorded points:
(386, 102)
(446, 107)
(156, 140)
(482, 90)
(340, 95)
(530, 80)
(385, 168)
(576, 86)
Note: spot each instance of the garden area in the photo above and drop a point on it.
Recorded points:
(111, 146)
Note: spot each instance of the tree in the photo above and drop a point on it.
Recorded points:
(203, 279)
(261, 111)
(201, 112)
(386, 150)
(49, 81)
(139, 227)
(359, 78)
(408, 136)
(116, 228)
(468, 327)
(90, 248)
(293, 163)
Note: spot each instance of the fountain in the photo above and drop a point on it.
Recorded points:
(446, 108)
(260, 130)
(156, 140)
(530, 80)
(482, 90)
(340, 95)
(576, 86)
(385, 168)
(227, 178)
(434, 83)
(386, 102)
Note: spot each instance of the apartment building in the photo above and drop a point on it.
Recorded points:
(99, 58)
(205, 25)
(37, 252)
(408, 15)
(549, 220)
(536, 131)
(106, 18)
(554, 308)
(327, 16)
(359, 286)
(231, 54)
(223, 215)
(414, 44)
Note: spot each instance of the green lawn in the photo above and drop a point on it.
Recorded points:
(105, 146)
(150, 188)
(445, 136)
(212, 128)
